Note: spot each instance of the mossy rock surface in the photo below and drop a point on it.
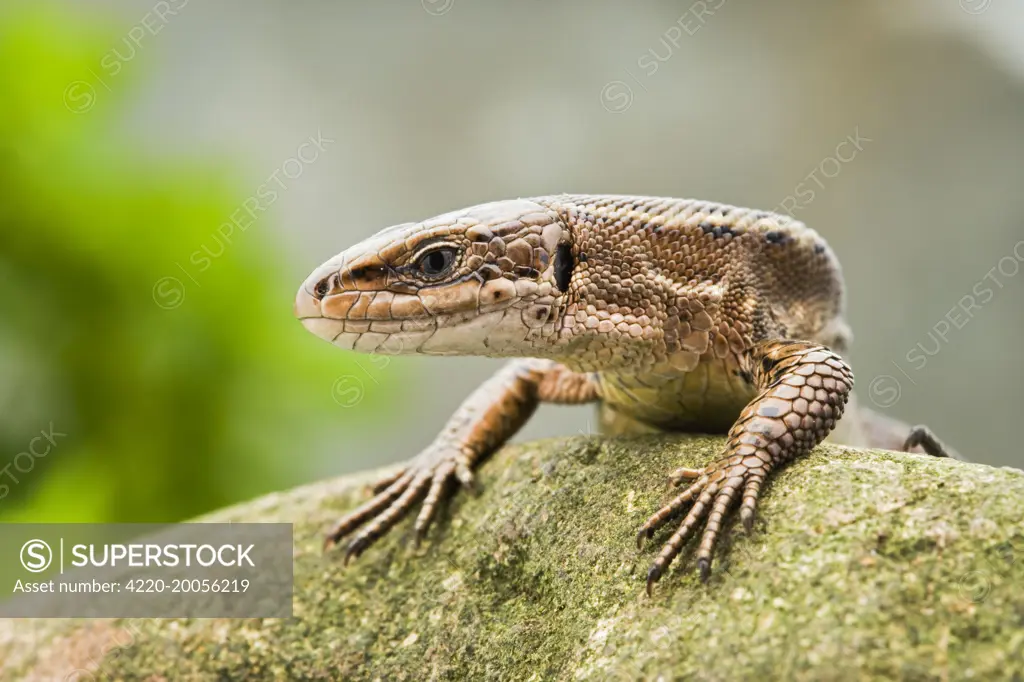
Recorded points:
(862, 565)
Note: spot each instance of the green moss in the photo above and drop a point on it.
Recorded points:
(862, 564)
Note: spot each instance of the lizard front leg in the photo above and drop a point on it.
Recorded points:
(484, 421)
(803, 389)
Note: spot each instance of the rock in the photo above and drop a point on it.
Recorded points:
(862, 564)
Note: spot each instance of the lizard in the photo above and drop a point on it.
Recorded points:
(671, 314)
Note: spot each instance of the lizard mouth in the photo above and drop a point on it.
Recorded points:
(367, 321)
(389, 322)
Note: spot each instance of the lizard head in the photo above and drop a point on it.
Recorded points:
(488, 280)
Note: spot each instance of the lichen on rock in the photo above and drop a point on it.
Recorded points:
(862, 564)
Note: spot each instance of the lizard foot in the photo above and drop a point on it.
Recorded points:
(804, 388)
(711, 495)
(426, 478)
(929, 442)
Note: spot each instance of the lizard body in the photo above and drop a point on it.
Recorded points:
(674, 314)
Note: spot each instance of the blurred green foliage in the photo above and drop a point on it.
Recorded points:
(175, 396)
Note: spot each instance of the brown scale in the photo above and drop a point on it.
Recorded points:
(674, 314)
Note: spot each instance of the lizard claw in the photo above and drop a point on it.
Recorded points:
(704, 566)
(747, 517)
(424, 479)
(466, 478)
(420, 531)
(352, 552)
(653, 575)
(643, 534)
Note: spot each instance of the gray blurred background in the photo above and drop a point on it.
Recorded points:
(432, 106)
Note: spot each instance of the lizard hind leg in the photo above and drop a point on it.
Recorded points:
(877, 430)
(923, 437)
(803, 389)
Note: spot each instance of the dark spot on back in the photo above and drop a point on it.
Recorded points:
(583, 258)
(819, 248)
(716, 231)
(777, 237)
(767, 364)
(563, 267)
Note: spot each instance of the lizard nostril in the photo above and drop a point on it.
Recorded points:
(322, 287)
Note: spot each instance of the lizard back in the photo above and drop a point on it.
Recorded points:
(692, 285)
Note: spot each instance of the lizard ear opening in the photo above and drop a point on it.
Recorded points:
(564, 265)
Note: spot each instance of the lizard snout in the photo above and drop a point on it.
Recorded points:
(320, 284)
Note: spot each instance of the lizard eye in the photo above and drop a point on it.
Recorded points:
(436, 262)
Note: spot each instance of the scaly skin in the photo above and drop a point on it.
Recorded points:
(674, 314)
